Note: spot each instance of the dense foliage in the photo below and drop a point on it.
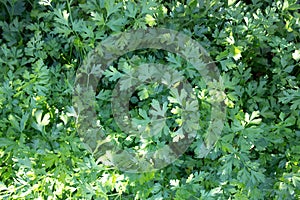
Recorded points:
(256, 46)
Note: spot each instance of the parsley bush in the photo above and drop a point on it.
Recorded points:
(255, 46)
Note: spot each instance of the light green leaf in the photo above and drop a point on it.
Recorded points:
(158, 111)
(236, 52)
(150, 20)
(24, 121)
(4, 142)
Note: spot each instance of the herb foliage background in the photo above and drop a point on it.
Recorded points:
(256, 45)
